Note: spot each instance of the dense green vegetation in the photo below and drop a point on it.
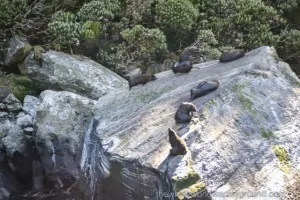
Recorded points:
(143, 33)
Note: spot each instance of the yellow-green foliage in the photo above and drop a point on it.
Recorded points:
(64, 28)
(177, 15)
(246, 102)
(184, 182)
(91, 30)
(95, 10)
(207, 36)
(38, 51)
(10, 11)
(146, 41)
(20, 86)
(195, 190)
(281, 154)
(283, 157)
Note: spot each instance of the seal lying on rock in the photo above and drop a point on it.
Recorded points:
(204, 88)
(178, 145)
(182, 67)
(185, 112)
(136, 77)
(232, 55)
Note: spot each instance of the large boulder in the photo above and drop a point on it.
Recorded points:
(61, 120)
(17, 51)
(60, 71)
(107, 176)
(242, 140)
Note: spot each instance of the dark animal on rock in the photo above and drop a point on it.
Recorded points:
(182, 67)
(178, 145)
(232, 55)
(188, 54)
(185, 112)
(204, 88)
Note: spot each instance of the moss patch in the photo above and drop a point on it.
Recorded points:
(245, 101)
(237, 88)
(181, 183)
(283, 157)
(267, 134)
(2, 135)
(197, 190)
(38, 51)
(211, 103)
(20, 86)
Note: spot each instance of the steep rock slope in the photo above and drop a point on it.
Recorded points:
(242, 139)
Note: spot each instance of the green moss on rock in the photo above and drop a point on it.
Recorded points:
(267, 134)
(195, 191)
(38, 51)
(20, 86)
(181, 183)
(246, 102)
(237, 88)
(283, 157)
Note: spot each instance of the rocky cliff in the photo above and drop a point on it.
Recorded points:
(243, 139)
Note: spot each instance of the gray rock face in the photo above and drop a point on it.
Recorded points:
(19, 48)
(37, 176)
(24, 121)
(61, 121)
(234, 137)
(8, 184)
(30, 105)
(106, 177)
(60, 71)
(244, 136)
(19, 152)
(10, 104)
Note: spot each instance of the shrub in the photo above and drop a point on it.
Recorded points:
(91, 30)
(136, 9)
(146, 41)
(176, 14)
(289, 45)
(10, 11)
(96, 10)
(177, 19)
(208, 46)
(64, 28)
(282, 4)
(243, 23)
(142, 47)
